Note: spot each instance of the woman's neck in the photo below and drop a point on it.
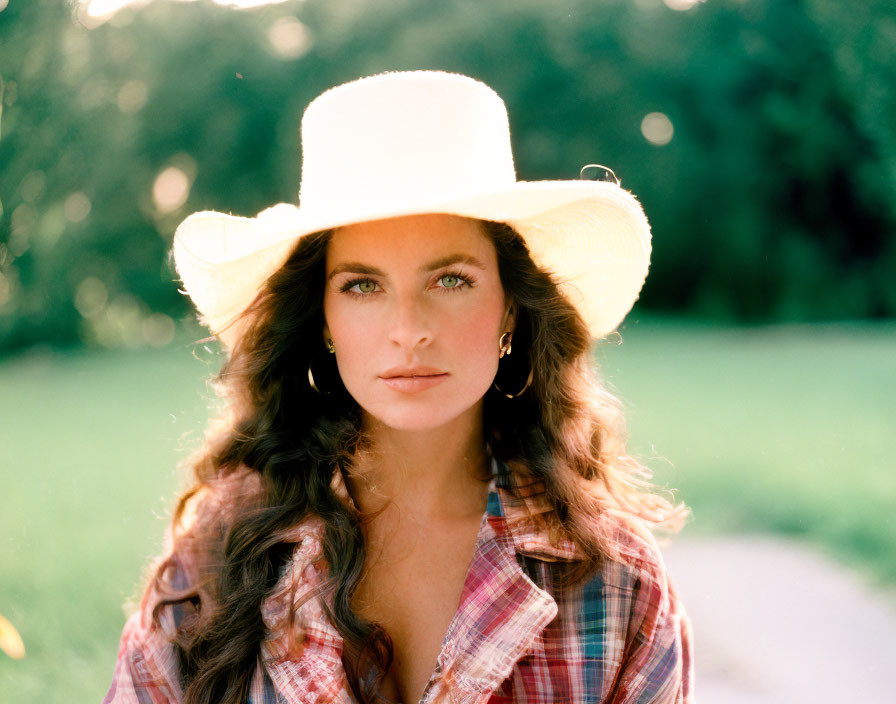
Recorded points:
(433, 475)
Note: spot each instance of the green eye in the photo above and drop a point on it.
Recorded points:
(366, 286)
(449, 280)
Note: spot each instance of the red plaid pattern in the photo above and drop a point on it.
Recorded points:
(517, 637)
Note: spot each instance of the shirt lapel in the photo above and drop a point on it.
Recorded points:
(502, 612)
(525, 515)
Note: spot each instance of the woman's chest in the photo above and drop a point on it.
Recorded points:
(412, 589)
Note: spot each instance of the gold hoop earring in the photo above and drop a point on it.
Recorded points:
(520, 392)
(311, 381)
(331, 348)
(504, 345)
(505, 348)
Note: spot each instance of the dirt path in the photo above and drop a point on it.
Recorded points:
(777, 623)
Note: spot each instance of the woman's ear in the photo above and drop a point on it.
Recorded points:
(326, 334)
(509, 316)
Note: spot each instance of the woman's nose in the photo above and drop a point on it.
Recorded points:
(409, 327)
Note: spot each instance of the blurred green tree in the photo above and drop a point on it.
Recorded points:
(758, 136)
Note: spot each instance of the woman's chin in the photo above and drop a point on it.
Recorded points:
(417, 416)
(413, 422)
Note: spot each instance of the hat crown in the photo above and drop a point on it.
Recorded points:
(403, 137)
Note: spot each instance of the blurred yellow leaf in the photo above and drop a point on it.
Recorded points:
(10, 640)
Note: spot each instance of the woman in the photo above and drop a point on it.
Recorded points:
(418, 490)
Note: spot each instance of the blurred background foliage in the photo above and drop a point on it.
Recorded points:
(758, 134)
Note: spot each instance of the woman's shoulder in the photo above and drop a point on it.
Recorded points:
(192, 546)
(627, 582)
(635, 577)
(177, 581)
(631, 600)
(632, 544)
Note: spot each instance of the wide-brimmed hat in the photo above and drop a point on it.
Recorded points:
(414, 142)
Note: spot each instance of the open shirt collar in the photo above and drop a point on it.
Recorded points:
(500, 614)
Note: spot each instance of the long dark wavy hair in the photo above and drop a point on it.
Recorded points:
(278, 441)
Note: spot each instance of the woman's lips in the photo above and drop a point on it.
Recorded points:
(413, 384)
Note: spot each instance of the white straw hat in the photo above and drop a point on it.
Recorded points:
(416, 142)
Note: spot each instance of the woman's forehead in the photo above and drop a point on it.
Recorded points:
(410, 239)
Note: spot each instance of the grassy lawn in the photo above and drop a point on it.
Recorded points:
(89, 456)
(783, 429)
(789, 430)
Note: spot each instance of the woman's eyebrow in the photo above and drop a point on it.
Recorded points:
(361, 268)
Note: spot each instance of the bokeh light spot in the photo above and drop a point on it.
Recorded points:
(33, 185)
(120, 324)
(76, 207)
(103, 9)
(23, 219)
(93, 13)
(21, 223)
(248, 4)
(681, 5)
(289, 38)
(10, 640)
(51, 225)
(657, 128)
(132, 96)
(90, 297)
(158, 329)
(171, 189)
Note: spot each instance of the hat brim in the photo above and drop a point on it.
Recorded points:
(592, 235)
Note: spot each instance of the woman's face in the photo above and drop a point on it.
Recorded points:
(415, 308)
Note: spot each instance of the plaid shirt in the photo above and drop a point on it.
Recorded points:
(621, 637)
